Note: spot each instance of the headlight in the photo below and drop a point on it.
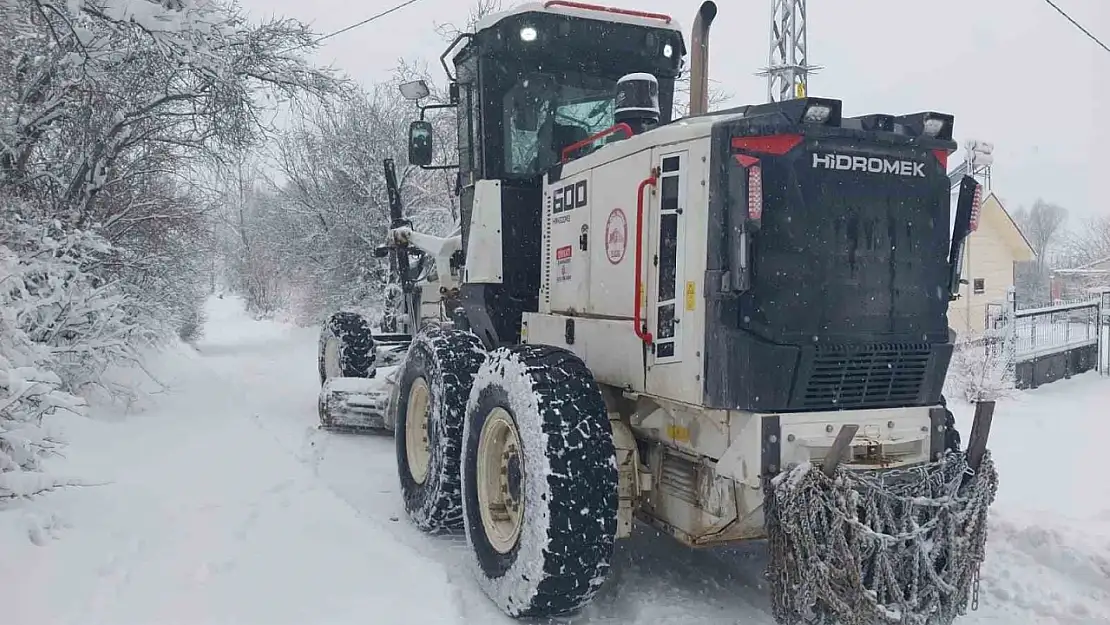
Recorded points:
(528, 34)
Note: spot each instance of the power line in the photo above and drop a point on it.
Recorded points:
(408, 2)
(1077, 25)
(366, 21)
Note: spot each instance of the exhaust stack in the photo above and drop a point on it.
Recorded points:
(699, 59)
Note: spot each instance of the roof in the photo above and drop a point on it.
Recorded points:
(1010, 217)
(1081, 272)
(983, 203)
(1094, 263)
(1087, 269)
(581, 9)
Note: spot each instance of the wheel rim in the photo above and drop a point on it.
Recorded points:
(500, 480)
(331, 358)
(417, 450)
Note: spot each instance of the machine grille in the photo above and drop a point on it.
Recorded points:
(679, 477)
(871, 376)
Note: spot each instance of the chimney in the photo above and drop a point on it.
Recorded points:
(699, 59)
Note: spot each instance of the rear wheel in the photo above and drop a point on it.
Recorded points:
(539, 481)
(346, 347)
(432, 388)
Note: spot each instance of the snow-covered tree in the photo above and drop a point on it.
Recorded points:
(1042, 225)
(1090, 242)
(304, 239)
(108, 109)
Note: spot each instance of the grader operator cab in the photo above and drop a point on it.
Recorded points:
(728, 326)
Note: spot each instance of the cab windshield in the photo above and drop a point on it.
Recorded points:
(546, 112)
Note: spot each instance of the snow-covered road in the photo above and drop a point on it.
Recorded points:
(222, 503)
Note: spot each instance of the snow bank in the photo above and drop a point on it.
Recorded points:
(201, 516)
(1048, 557)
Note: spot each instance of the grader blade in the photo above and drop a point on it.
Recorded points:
(357, 404)
(901, 546)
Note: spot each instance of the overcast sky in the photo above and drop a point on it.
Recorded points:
(1013, 72)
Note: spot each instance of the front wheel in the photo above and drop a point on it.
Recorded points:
(346, 347)
(539, 483)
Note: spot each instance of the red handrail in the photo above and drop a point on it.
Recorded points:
(637, 311)
(597, 7)
(601, 135)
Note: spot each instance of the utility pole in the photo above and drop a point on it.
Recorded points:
(788, 67)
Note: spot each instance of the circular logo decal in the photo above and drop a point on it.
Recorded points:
(616, 236)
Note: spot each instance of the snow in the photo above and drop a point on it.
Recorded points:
(222, 503)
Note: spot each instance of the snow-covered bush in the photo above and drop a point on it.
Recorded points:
(44, 298)
(27, 396)
(983, 368)
(79, 322)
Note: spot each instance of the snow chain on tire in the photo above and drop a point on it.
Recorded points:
(357, 351)
(900, 546)
(567, 476)
(447, 360)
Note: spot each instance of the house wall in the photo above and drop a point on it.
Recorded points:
(989, 255)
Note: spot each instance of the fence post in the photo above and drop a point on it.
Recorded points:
(1010, 338)
(1011, 314)
(1103, 330)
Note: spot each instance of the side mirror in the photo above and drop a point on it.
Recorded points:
(420, 143)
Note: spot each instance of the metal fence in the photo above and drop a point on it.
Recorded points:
(1052, 342)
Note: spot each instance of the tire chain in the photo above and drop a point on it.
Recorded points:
(899, 546)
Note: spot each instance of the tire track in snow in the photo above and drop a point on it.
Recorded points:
(440, 550)
(654, 580)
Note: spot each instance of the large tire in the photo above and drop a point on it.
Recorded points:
(434, 381)
(346, 347)
(557, 557)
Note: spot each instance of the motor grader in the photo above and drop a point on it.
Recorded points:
(727, 326)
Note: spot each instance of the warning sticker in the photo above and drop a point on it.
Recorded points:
(562, 260)
(616, 236)
(691, 295)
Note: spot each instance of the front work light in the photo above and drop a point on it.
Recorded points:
(528, 34)
(933, 126)
(937, 125)
(928, 124)
(668, 50)
(817, 113)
